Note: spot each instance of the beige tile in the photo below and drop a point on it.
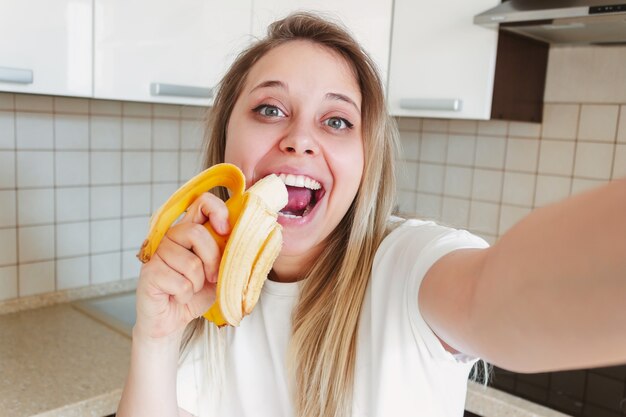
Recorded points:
(467, 127)
(134, 109)
(493, 127)
(560, 121)
(487, 185)
(166, 110)
(8, 204)
(7, 101)
(165, 166)
(134, 229)
(484, 217)
(581, 184)
(34, 130)
(461, 149)
(594, 160)
(409, 143)
(106, 267)
(71, 131)
(36, 278)
(407, 175)
(190, 164)
(8, 282)
(621, 132)
(166, 134)
(7, 169)
(105, 107)
(191, 135)
(430, 178)
(455, 212)
(71, 105)
(522, 154)
(551, 189)
(130, 264)
(556, 157)
(458, 182)
(136, 200)
(35, 206)
(598, 122)
(72, 239)
(406, 201)
(435, 125)
(136, 167)
(8, 246)
(409, 123)
(136, 133)
(72, 203)
(161, 192)
(193, 112)
(429, 206)
(32, 102)
(36, 243)
(7, 130)
(524, 130)
(490, 152)
(519, 189)
(619, 164)
(433, 147)
(509, 216)
(105, 235)
(72, 272)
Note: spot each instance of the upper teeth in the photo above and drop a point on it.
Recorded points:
(300, 181)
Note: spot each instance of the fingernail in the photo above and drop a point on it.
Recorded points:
(224, 227)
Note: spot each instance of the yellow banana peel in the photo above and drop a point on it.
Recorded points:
(250, 250)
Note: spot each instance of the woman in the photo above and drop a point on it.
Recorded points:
(363, 314)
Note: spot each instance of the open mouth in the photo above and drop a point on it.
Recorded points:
(304, 194)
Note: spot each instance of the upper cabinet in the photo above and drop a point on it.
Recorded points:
(442, 65)
(369, 22)
(164, 51)
(45, 47)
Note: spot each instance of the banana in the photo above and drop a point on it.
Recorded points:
(250, 250)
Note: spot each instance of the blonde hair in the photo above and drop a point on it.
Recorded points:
(322, 351)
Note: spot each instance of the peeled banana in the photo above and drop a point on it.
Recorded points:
(250, 250)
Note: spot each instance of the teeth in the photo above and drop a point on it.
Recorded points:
(289, 216)
(300, 181)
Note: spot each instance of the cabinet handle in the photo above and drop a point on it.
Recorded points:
(449, 104)
(16, 75)
(161, 89)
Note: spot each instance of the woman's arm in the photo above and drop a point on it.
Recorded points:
(549, 295)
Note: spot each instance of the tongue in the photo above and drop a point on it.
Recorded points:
(299, 198)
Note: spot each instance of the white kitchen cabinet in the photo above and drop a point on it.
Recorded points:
(45, 47)
(166, 52)
(442, 65)
(369, 21)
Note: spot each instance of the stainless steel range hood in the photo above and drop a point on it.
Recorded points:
(561, 21)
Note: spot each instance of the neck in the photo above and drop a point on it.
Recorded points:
(292, 268)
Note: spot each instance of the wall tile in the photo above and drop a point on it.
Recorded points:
(458, 182)
(406, 201)
(621, 132)
(409, 142)
(484, 217)
(581, 184)
(166, 110)
(433, 147)
(136, 167)
(619, 164)
(36, 278)
(407, 175)
(34, 131)
(130, 264)
(464, 127)
(192, 132)
(33, 103)
(487, 185)
(166, 134)
(72, 239)
(136, 133)
(429, 206)
(35, 169)
(455, 212)
(8, 282)
(72, 204)
(560, 121)
(106, 235)
(106, 267)
(160, 194)
(524, 130)
(556, 157)
(105, 107)
(190, 164)
(130, 108)
(71, 132)
(71, 105)
(510, 215)
(7, 130)
(7, 101)
(435, 125)
(106, 133)
(8, 217)
(106, 168)
(519, 189)
(72, 272)
(35, 206)
(594, 160)
(7, 169)
(461, 150)
(522, 155)
(106, 201)
(36, 243)
(493, 127)
(72, 168)
(551, 189)
(598, 122)
(8, 247)
(430, 178)
(490, 152)
(136, 200)
(193, 112)
(135, 229)
(409, 124)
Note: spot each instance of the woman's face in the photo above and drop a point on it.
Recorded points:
(299, 115)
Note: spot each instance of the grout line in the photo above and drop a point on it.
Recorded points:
(17, 219)
(571, 185)
(89, 189)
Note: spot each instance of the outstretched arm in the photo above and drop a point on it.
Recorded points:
(549, 295)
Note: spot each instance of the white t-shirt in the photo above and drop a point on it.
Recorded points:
(402, 369)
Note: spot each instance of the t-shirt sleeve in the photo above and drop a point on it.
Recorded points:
(187, 383)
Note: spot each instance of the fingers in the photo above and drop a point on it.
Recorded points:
(208, 207)
(204, 256)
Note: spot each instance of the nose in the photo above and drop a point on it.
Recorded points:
(299, 140)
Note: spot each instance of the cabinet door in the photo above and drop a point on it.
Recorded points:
(442, 65)
(45, 46)
(164, 51)
(369, 21)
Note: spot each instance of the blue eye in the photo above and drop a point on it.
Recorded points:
(338, 123)
(269, 111)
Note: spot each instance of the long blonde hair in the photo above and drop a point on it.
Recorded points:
(322, 351)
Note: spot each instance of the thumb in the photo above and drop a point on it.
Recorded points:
(202, 300)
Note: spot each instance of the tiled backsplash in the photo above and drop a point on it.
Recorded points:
(78, 181)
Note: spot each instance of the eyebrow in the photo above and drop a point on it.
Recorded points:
(271, 83)
(343, 97)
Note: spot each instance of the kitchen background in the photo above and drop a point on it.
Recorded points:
(79, 178)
